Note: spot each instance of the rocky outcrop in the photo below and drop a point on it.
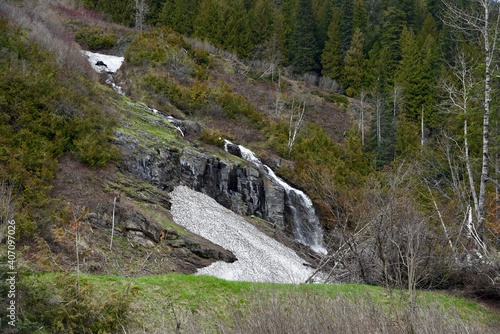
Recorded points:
(232, 182)
(139, 230)
(130, 224)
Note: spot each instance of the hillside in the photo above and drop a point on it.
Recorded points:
(97, 171)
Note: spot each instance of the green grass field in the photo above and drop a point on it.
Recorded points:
(176, 303)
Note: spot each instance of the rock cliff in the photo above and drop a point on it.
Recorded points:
(231, 181)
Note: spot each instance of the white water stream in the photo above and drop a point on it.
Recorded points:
(305, 223)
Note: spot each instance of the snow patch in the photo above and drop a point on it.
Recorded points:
(260, 258)
(107, 63)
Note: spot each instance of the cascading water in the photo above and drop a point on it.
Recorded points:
(299, 207)
(102, 63)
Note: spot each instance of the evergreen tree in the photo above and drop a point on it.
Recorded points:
(360, 16)
(180, 15)
(224, 23)
(323, 14)
(331, 58)
(409, 74)
(354, 65)
(416, 75)
(261, 17)
(303, 45)
(392, 26)
(346, 24)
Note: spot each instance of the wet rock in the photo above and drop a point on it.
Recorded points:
(238, 186)
(187, 127)
(233, 149)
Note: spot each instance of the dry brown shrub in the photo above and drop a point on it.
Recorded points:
(45, 28)
(295, 312)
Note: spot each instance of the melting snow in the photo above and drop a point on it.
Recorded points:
(260, 258)
(111, 63)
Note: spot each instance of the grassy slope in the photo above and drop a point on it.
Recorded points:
(202, 304)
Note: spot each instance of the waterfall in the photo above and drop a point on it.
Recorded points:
(299, 207)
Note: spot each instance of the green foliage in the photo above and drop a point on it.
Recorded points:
(335, 98)
(199, 99)
(165, 48)
(315, 152)
(179, 14)
(394, 21)
(68, 304)
(261, 22)
(120, 11)
(354, 65)
(89, 148)
(95, 38)
(303, 45)
(416, 74)
(213, 137)
(155, 47)
(236, 105)
(44, 114)
(331, 58)
(225, 24)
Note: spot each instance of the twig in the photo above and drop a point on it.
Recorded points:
(113, 225)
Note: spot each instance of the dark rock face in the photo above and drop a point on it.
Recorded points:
(187, 127)
(233, 149)
(130, 224)
(139, 230)
(234, 184)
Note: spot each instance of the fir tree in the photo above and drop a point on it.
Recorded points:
(354, 64)
(393, 23)
(416, 75)
(346, 24)
(180, 14)
(331, 58)
(225, 24)
(303, 45)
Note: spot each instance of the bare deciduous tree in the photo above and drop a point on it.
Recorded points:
(480, 25)
(296, 118)
(397, 97)
(460, 99)
(141, 10)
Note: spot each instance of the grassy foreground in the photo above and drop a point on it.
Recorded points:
(176, 303)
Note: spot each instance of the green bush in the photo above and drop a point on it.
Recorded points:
(66, 304)
(213, 137)
(46, 112)
(155, 47)
(95, 38)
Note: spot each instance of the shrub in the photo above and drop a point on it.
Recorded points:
(213, 137)
(66, 304)
(46, 112)
(95, 38)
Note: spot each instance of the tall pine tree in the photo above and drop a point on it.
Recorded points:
(225, 24)
(303, 45)
(331, 58)
(354, 65)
